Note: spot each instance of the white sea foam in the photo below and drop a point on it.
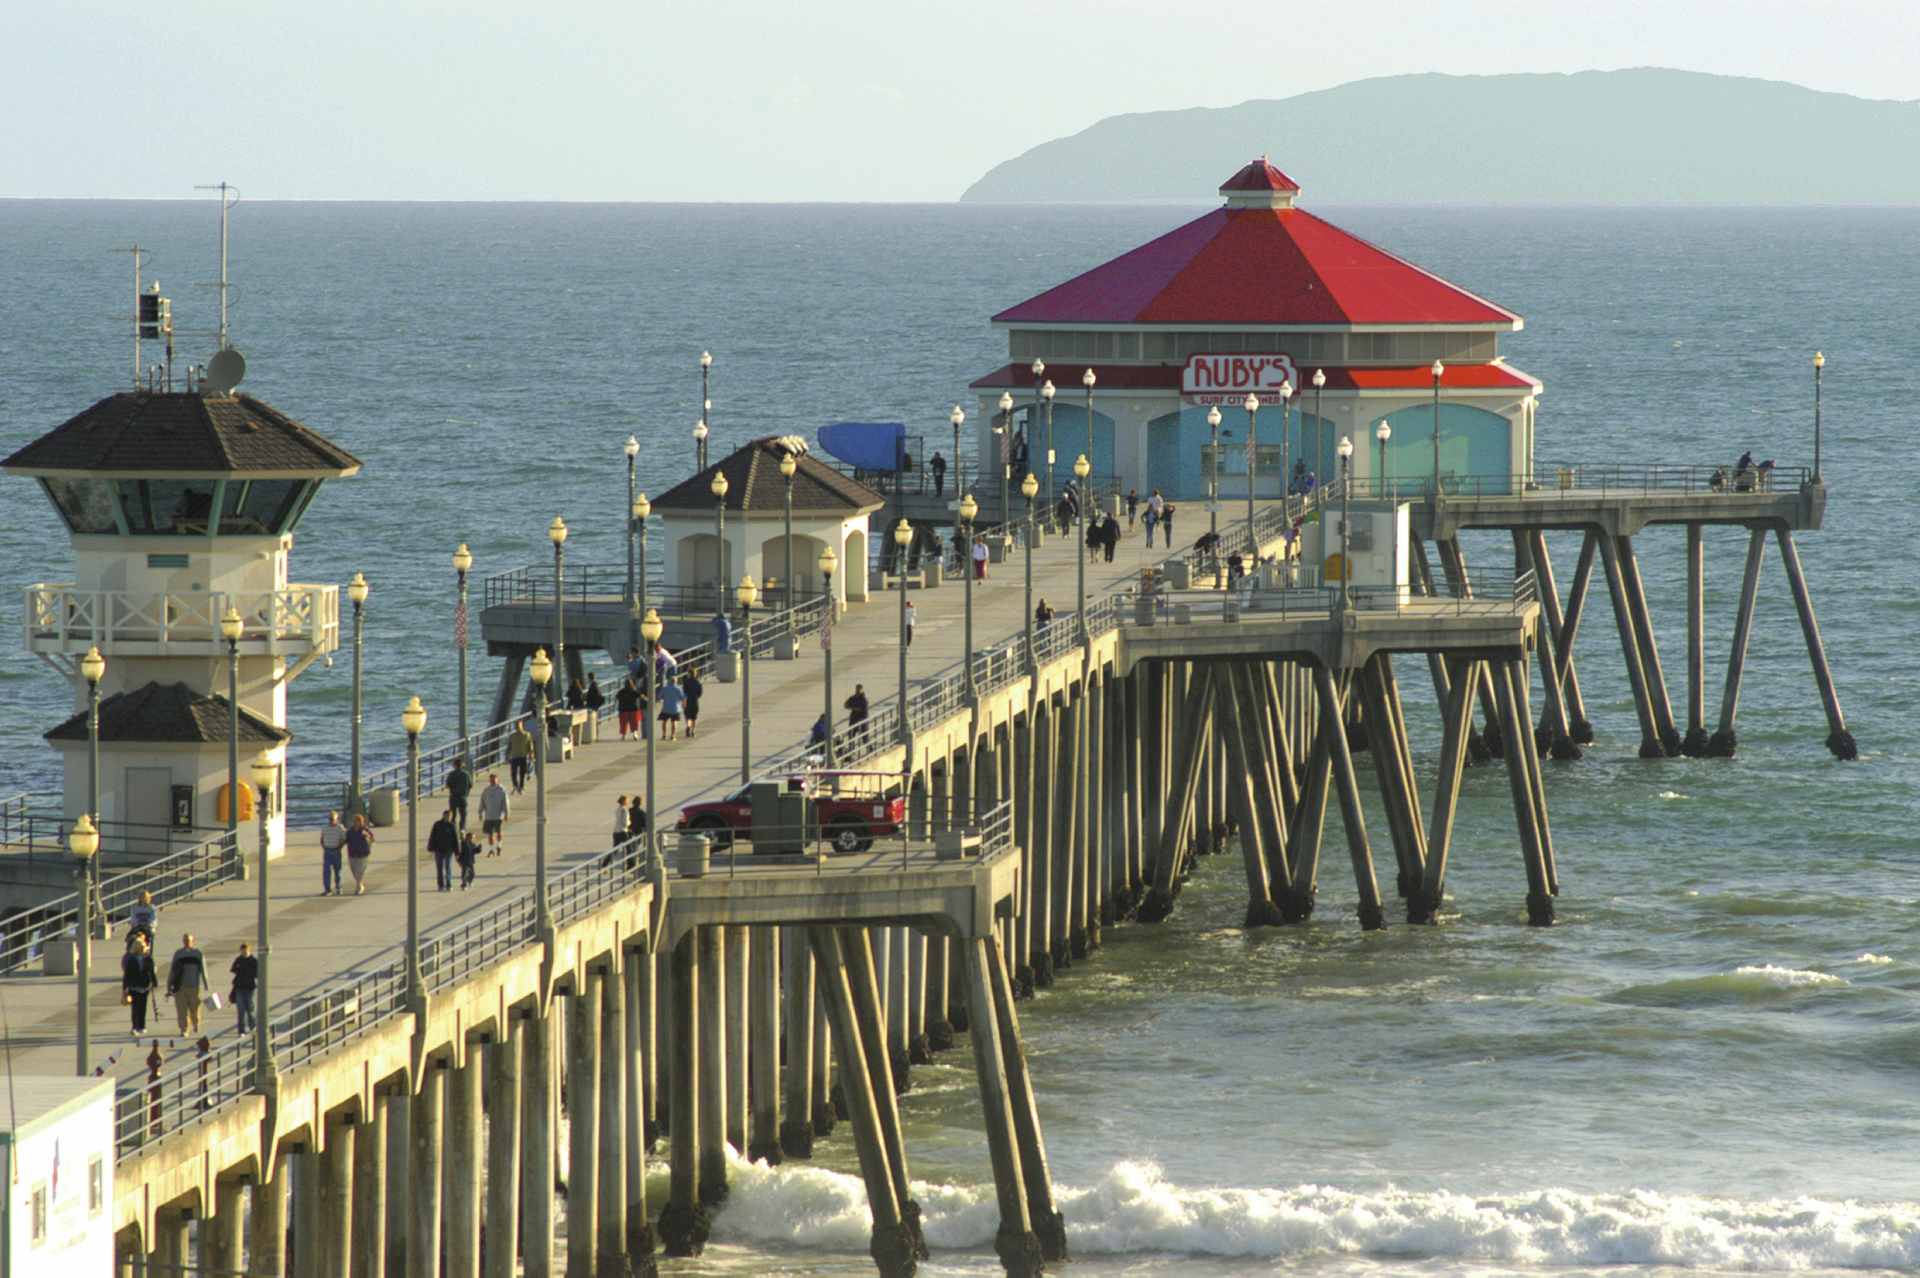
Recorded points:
(1874, 960)
(1788, 978)
(1134, 1209)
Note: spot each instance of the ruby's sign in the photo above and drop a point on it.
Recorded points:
(1216, 379)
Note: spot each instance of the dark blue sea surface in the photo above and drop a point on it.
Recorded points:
(1711, 1064)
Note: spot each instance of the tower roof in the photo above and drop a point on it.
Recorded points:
(170, 713)
(186, 434)
(755, 484)
(1259, 260)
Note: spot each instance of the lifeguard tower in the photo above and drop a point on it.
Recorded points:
(181, 506)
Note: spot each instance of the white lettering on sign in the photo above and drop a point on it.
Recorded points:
(1216, 378)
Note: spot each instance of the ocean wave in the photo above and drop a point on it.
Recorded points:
(1134, 1209)
(1742, 985)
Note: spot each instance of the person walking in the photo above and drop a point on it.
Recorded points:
(333, 838)
(359, 851)
(459, 786)
(137, 979)
(1109, 535)
(1151, 519)
(246, 980)
(443, 840)
(1133, 507)
(520, 755)
(673, 699)
(468, 854)
(1042, 613)
(690, 684)
(939, 465)
(979, 558)
(637, 816)
(913, 617)
(186, 978)
(622, 822)
(493, 813)
(142, 917)
(626, 703)
(856, 706)
(1095, 538)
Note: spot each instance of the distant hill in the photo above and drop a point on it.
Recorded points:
(1645, 136)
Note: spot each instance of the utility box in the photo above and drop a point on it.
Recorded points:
(1377, 540)
(58, 1140)
(783, 818)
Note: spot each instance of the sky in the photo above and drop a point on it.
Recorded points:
(727, 100)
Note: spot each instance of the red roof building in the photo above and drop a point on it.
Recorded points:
(1258, 297)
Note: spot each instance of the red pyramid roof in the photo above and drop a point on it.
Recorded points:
(1259, 176)
(1242, 265)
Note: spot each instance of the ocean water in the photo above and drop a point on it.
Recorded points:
(1711, 1065)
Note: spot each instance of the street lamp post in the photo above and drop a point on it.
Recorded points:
(557, 531)
(1382, 432)
(1438, 369)
(356, 803)
(719, 488)
(1213, 493)
(968, 509)
(638, 513)
(1346, 486)
(706, 406)
(746, 593)
(1087, 380)
(414, 720)
(540, 669)
(1081, 468)
(957, 417)
(903, 538)
(1028, 487)
(1033, 423)
(1819, 362)
(1286, 436)
(632, 450)
(828, 562)
(1006, 453)
(1047, 393)
(700, 441)
(230, 629)
(1319, 422)
(93, 667)
(650, 630)
(788, 465)
(1252, 405)
(462, 564)
(265, 782)
(83, 841)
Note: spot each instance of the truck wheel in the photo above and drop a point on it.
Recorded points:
(715, 827)
(848, 833)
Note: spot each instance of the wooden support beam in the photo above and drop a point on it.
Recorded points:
(1554, 724)
(1333, 732)
(1048, 1224)
(1015, 1243)
(1623, 617)
(857, 946)
(684, 1227)
(1839, 740)
(1525, 814)
(1424, 906)
(892, 1245)
(1721, 745)
(1694, 744)
(1239, 773)
(1661, 705)
(1196, 707)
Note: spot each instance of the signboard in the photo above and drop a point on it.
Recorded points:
(1229, 379)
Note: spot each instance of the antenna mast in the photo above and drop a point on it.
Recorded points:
(225, 204)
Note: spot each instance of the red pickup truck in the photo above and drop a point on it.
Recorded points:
(852, 809)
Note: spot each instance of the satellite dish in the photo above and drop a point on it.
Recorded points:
(225, 371)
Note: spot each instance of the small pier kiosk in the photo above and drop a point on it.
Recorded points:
(182, 507)
(1330, 334)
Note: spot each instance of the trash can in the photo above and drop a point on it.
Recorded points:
(726, 666)
(1179, 574)
(383, 807)
(692, 855)
(1143, 610)
(1566, 477)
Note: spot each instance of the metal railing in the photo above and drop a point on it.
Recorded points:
(170, 879)
(58, 615)
(152, 1107)
(1548, 478)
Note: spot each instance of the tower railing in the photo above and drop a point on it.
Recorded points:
(59, 617)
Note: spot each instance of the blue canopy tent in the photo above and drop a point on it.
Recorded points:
(867, 445)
